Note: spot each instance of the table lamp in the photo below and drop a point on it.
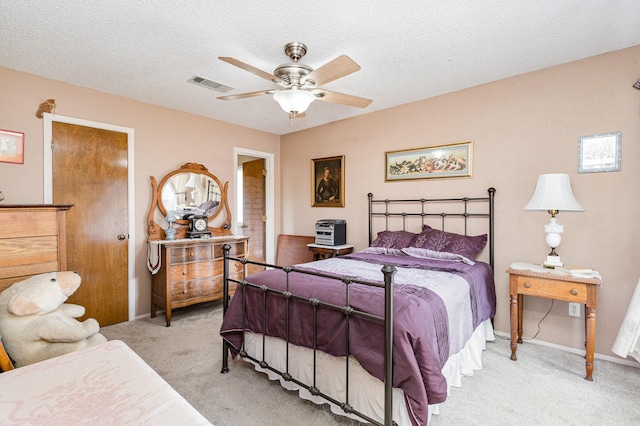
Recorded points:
(553, 194)
(194, 183)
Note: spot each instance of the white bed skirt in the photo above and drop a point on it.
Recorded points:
(366, 393)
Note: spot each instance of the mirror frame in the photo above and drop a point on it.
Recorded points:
(222, 213)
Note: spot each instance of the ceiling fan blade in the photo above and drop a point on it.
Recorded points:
(246, 95)
(250, 68)
(338, 68)
(341, 98)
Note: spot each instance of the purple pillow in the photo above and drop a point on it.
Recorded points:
(393, 239)
(448, 242)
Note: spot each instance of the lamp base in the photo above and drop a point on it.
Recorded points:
(553, 261)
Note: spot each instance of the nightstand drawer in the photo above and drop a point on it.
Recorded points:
(555, 289)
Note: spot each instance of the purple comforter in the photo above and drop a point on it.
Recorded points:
(421, 345)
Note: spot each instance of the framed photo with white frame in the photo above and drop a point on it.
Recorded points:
(599, 153)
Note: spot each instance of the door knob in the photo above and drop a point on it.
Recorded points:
(122, 237)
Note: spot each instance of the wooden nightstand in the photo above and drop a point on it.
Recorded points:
(325, 252)
(559, 287)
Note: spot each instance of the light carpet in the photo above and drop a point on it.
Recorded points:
(544, 387)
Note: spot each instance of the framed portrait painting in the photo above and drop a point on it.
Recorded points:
(11, 147)
(327, 182)
(442, 161)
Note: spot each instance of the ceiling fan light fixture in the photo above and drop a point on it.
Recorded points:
(294, 101)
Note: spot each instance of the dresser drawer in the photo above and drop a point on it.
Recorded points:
(238, 249)
(28, 222)
(219, 283)
(555, 289)
(193, 270)
(192, 289)
(191, 253)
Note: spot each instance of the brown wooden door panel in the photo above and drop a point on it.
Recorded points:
(90, 168)
(254, 211)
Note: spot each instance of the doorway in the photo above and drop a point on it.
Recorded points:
(69, 180)
(242, 155)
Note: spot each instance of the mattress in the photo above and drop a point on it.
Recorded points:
(107, 384)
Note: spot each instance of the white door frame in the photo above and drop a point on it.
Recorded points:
(47, 121)
(269, 194)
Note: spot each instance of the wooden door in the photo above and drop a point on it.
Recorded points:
(253, 178)
(90, 171)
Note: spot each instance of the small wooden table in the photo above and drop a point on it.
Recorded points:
(324, 252)
(559, 287)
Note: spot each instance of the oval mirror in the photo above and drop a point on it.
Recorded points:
(189, 193)
(191, 189)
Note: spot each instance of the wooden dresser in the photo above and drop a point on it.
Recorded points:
(191, 271)
(32, 241)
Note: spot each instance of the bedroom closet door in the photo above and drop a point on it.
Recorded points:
(90, 171)
(253, 177)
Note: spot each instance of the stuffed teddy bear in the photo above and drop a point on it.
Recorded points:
(36, 324)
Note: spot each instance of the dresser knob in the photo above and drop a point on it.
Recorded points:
(184, 273)
(527, 285)
(192, 254)
(184, 291)
(574, 291)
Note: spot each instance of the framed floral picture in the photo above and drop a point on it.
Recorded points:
(442, 161)
(327, 182)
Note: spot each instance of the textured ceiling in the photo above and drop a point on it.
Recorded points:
(408, 50)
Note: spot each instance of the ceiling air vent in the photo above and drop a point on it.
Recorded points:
(209, 84)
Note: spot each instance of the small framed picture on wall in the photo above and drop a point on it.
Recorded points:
(599, 153)
(11, 147)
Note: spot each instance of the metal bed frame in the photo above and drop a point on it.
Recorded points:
(427, 209)
(387, 271)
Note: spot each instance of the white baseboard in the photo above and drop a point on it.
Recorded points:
(580, 352)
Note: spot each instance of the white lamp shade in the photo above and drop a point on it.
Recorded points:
(294, 100)
(553, 192)
(194, 181)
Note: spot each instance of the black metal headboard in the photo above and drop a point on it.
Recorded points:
(424, 208)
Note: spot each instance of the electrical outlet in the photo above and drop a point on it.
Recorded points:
(574, 309)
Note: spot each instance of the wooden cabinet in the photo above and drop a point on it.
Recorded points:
(32, 241)
(191, 271)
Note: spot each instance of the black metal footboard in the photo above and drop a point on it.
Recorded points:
(348, 312)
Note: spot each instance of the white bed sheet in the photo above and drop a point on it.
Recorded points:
(107, 384)
(366, 393)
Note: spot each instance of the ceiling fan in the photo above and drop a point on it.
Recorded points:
(299, 82)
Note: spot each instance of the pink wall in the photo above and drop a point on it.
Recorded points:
(521, 127)
(164, 140)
